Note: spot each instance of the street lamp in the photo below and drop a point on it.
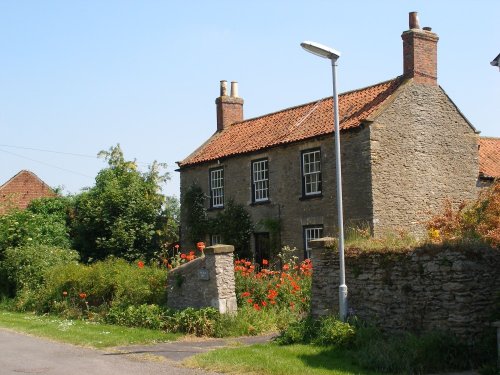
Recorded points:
(333, 55)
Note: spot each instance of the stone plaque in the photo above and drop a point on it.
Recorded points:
(203, 274)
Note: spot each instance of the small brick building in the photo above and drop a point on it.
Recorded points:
(21, 189)
(405, 148)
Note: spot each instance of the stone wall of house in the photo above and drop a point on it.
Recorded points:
(423, 151)
(451, 289)
(204, 282)
(286, 202)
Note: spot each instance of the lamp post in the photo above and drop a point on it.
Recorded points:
(333, 55)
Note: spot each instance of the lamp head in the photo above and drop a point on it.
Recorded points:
(320, 50)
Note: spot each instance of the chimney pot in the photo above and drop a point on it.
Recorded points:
(234, 89)
(413, 20)
(223, 88)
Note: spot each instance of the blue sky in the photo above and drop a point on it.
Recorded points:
(77, 77)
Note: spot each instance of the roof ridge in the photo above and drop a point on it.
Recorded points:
(486, 137)
(317, 101)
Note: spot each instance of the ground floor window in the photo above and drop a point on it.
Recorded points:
(311, 232)
(215, 239)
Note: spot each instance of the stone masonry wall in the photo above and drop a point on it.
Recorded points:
(204, 282)
(423, 151)
(285, 186)
(425, 289)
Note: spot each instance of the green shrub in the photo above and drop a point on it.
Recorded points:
(146, 316)
(199, 322)
(26, 267)
(248, 322)
(324, 331)
(76, 288)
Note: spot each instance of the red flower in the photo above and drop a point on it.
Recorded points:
(83, 295)
(265, 262)
(183, 256)
(264, 303)
(140, 264)
(245, 294)
(200, 246)
(176, 246)
(256, 306)
(286, 267)
(250, 300)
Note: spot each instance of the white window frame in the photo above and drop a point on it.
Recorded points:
(260, 180)
(311, 233)
(217, 188)
(215, 239)
(311, 172)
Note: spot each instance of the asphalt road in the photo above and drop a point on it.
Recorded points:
(23, 354)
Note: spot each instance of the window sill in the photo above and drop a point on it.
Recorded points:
(261, 203)
(215, 208)
(309, 197)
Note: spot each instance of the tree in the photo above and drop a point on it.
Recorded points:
(235, 226)
(43, 222)
(193, 206)
(124, 214)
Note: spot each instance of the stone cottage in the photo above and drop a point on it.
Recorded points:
(405, 148)
(21, 189)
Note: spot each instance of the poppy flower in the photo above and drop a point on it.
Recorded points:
(200, 246)
(183, 256)
(265, 262)
(140, 264)
(256, 306)
(245, 294)
(286, 267)
(83, 295)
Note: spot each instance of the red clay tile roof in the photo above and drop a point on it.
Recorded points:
(489, 157)
(21, 189)
(293, 124)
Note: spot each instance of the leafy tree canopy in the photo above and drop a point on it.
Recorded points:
(124, 214)
(44, 222)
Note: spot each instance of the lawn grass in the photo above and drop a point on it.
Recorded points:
(80, 332)
(276, 359)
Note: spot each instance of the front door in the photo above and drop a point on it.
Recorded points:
(262, 247)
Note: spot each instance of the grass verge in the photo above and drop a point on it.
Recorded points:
(275, 359)
(80, 332)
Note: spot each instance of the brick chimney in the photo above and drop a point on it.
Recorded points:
(229, 108)
(420, 52)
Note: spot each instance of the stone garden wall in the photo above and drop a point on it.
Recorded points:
(423, 289)
(204, 282)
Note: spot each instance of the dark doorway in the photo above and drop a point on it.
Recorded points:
(262, 247)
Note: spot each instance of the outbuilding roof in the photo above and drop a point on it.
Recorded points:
(489, 157)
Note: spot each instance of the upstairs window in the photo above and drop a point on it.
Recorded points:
(260, 181)
(311, 172)
(311, 233)
(217, 188)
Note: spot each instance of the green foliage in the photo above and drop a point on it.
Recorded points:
(235, 226)
(123, 214)
(325, 331)
(145, 316)
(432, 352)
(477, 221)
(199, 322)
(112, 282)
(193, 203)
(44, 222)
(25, 267)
